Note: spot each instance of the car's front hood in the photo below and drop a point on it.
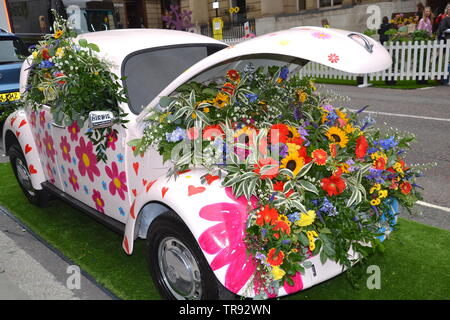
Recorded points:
(342, 50)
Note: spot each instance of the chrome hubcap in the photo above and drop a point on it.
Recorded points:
(179, 269)
(24, 176)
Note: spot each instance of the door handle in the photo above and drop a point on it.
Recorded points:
(58, 126)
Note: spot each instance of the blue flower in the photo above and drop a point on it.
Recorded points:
(104, 185)
(120, 157)
(63, 169)
(121, 211)
(85, 188)
(74, 161)
(293, 217)
(328, 208)
(46, 64)
(284, 72)
(251, 97)
(387, 144)
(177, 135)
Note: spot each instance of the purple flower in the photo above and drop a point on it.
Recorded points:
(45, 64)
(284, 73)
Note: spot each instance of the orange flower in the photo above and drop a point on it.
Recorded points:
(281, 226)
(275, 259)
(380, 163)
(320, 157)
(405, 187)
(333, 149)
(267, 215)
(233, 75)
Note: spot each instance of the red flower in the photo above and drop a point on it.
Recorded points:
(320, 157)
(303, 153)
(233, 75)
(278, 186)
(211, 132)
(361, 147)
(229, 88)
(270, 173)
(333, 58)
(98, 200)
(278, 133)
(45, 54)
(380, 163)
(405, 187)
(275, 259)
(281, 226)
(267, 215)
(333, 185)
(333, 150)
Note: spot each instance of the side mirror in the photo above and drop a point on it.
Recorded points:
(100, 119)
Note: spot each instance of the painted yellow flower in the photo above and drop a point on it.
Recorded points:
(293, 162)
(338, 136)
(306, 218)
(277, 273)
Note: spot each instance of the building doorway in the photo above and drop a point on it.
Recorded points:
(136, 14)
(241, 16)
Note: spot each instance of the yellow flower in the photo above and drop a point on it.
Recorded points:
(35, 54)
(349, 129)
(313, 87)
(193, 115)
(277, 273)
(59, 52)
(306, 218)
(382, 194)
(341, 115)
(292, 147)
(206, 110)
(285, 219)
(293, 162)
(375, 202)
(221, 100)
(58, 34)
(293, 132)
(338, 136)
(376, 187)
(302, 96)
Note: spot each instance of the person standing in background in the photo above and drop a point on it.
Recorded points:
(426, 23)
(444, 24)
(385, 26)
(325, 23)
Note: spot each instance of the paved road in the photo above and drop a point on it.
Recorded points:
(426, 113)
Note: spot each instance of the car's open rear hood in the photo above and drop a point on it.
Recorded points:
(339, 49)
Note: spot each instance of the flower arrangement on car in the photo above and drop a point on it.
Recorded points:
(72, 80)
(318, 180)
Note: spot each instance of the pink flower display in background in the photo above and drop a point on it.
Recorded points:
(118, 180)
(73, 130)
(111, 140)
(73, 179)
(49, 148)
(98, 200)
(321, 35)
(42, 119)
(226, 240)
(87, 160)
(65, 149)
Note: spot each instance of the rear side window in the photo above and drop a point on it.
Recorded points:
(11, 50)
(148, 72)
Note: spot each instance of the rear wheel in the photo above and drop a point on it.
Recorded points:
(20, 168)
(177, 264)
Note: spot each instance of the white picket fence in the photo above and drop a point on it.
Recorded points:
(411, 61)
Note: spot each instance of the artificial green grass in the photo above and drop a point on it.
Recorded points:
(402, 85)
(415, 264)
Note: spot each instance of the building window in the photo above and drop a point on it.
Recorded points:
(301, 5)
(328, 3)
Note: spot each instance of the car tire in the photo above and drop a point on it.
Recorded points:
(178, 266)
(19, 165)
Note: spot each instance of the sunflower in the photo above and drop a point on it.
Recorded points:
(58, 34)
(293, 162)
(293, 133)
(338, 136)
(221, 100)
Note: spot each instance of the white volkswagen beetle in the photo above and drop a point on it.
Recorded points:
(51, 159)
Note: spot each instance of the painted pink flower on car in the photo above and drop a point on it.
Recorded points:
(49, 147)
(111, 139)
(87, 160)
(118, 181)
(65, 149)
(33, 118)
(225, 240)
(73, 180)
(321, 35)
(74, 129)
(42, 119)
(333, 58)
(98, 200)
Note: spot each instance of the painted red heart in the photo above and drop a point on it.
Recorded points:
(134, 192)
(150, 184)
(210, 178)
(136, 167)
(144, 182)
(28, 148)
(192, 190)
(125, 245)
(22, 123)
(32, 169)
(12, 121)
(17, 134)
(132, 210)
(164, 191)
(183, 171)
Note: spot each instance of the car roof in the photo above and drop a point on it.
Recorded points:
(116, 45)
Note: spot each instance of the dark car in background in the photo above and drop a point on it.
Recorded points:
(12, 53)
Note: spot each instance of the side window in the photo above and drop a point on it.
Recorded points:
(149, 72)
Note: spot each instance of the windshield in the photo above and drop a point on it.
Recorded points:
(11, 50)
(148, 72)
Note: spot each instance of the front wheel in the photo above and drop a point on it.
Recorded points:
(177, 264)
